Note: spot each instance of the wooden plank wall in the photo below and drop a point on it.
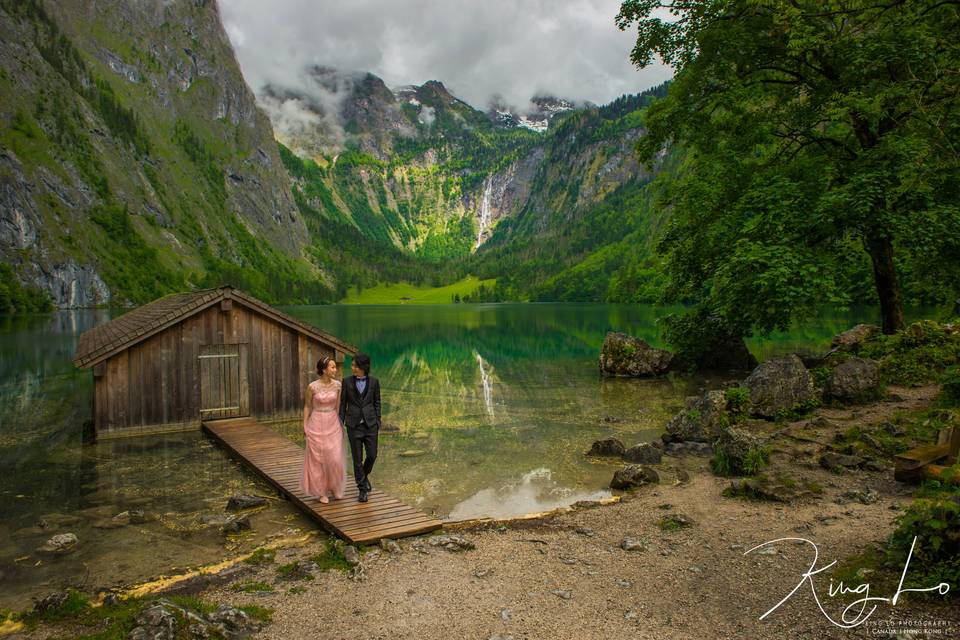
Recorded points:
(155, 383)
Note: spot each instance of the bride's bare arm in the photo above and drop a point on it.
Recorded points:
(307, 403)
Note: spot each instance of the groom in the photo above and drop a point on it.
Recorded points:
(360, 413)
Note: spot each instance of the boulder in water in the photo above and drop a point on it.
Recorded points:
(625, 356)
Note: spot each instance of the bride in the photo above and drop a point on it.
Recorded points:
(323, 459)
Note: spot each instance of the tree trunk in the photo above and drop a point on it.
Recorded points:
(880, 249)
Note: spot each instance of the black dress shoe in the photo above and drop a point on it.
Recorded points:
(367, 486)
(363, 495)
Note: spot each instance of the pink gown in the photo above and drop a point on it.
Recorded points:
(324, 470)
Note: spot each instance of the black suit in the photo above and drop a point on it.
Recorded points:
(360, 413)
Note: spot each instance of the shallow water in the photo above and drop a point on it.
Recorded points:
(495, 405)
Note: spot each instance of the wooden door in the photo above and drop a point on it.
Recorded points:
(224, 392)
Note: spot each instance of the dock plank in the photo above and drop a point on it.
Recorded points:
(280, 462)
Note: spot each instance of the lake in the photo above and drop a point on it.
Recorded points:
(495, 405)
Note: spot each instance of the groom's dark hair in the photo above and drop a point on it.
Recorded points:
(362, 360)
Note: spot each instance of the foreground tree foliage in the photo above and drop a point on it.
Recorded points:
(820, 134)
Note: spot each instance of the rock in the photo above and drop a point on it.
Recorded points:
(763, 489)
(683, 476)
(607, 447)
(779, 384)
(155, 623)
(737, 445)
(51, 601)
(851, 339)
(390, 546)
(700, 421)
(563, 594)
(875, 465)
(451, 543)
(677, 449)
(60, 543)
(244, 501)
(643, 454)
(56, 520)
(626, 356)
(231, 622)
(632, 476)
(351, 555)
(611, 419)
(389, 427)
(632, 544)
(236, 524)
(869, 496)
(832, 460)
(854, 379)
(411, 453)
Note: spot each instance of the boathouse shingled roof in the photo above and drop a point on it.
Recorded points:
(112, 337)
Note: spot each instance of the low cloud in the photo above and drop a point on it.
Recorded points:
(567, 48)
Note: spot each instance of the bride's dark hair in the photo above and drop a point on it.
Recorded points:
(322, 364)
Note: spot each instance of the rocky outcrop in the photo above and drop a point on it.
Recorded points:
(779, 385)
(700, 421)
(855, 379)
(625, 356)
(92, 146)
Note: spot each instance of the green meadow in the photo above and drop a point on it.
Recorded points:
(404, 293)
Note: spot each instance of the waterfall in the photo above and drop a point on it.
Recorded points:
(487, 386)
(484, 210)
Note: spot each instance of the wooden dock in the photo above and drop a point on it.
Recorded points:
(280, 462)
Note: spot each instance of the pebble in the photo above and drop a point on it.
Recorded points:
(505, 614)
(632, 544)
(563, 594)
(624, 583)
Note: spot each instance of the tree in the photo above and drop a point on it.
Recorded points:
(817, 134)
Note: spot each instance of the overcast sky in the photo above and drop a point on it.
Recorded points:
(477, 48)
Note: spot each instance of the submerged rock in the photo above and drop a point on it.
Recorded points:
(244, 501)
(60, 543)
(625, 356)
(854, 379)
(779, 384)
(633, 476)
(607, 447)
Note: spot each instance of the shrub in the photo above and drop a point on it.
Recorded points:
(934, 519)
(950, 387)
(738, 399)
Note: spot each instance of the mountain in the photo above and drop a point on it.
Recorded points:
(134, 160)
(420, 170)
(541, 112)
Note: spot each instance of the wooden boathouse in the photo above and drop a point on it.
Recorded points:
(203, 355)
(223, 360)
